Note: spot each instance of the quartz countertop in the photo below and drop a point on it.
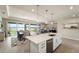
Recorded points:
(40, 38)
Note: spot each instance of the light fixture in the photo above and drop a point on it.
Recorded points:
(46, 12)
(7, 8)
(37, 13)
(71, 7)
(51, 16)
(33, 10)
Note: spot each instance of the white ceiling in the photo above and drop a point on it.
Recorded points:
(59, 11)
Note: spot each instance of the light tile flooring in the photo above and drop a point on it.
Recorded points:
(5, 47)
(67, 46)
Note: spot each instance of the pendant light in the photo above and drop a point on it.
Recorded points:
(51, 18)
(37, 16)
(37, 13)
(7, 8)
(46, 12)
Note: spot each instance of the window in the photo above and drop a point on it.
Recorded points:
(34, 27)
(20, 26)
(12, 29)
(27, 26)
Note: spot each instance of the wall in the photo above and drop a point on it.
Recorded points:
(70, 33)
(59, 29)
(2, 33)
(2, 14)
(5, 22)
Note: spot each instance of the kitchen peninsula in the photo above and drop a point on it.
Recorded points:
(44, 43)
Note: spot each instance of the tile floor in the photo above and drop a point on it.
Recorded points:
(67, 46)
(5, 47)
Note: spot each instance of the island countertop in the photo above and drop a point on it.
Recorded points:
(40, 38)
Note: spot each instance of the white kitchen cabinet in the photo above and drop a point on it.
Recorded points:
(56, 42)
(42, 43)
(33, 47)
(42, 47)
(38, 48)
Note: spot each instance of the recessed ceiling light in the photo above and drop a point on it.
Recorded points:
(32, 10)
(71, 7)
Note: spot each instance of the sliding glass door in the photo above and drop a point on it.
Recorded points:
(27, 27)
(20, 26)
(12, 29)
(33, 27)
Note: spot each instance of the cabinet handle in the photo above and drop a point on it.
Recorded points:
(42, 46)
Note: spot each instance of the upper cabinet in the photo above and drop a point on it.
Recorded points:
(3, 11)
(71, 26)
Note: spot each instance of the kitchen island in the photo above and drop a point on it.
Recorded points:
(38, 43)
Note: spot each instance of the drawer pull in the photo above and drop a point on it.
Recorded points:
(42, 46)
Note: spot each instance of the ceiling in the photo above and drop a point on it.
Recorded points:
(58, 11)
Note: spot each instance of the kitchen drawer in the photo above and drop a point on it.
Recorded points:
(42, 44)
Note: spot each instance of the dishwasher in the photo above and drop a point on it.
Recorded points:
(49, 46)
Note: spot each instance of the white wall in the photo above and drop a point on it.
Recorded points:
(71, 33)
(59, 29)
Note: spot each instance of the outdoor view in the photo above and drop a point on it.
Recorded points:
(14, 27)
